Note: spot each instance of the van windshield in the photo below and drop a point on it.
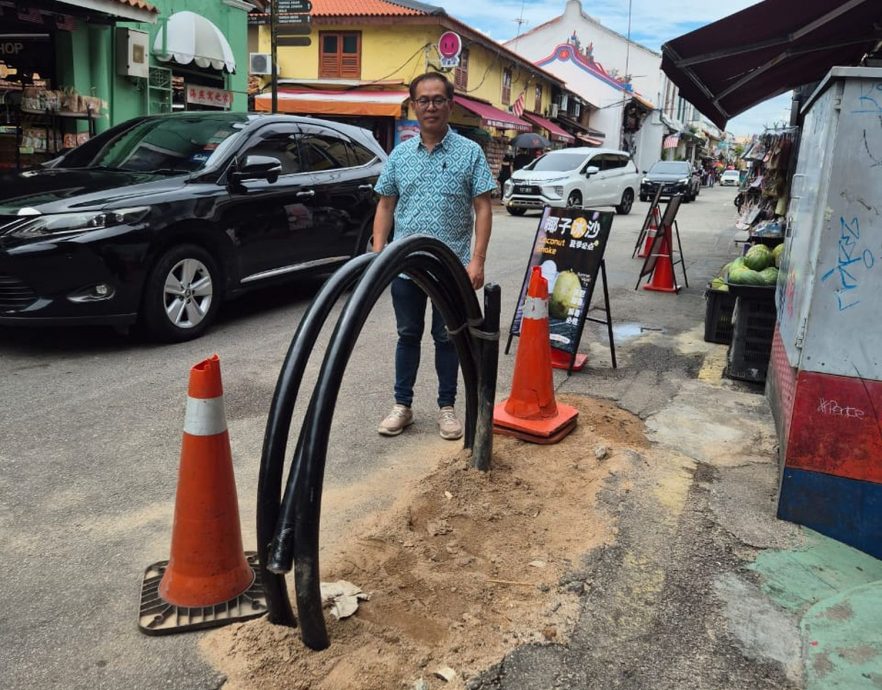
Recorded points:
(557, 162)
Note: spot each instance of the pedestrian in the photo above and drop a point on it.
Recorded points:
(522, 159)
(504, 172)
(438, 184)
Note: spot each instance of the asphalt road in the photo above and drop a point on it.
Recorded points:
(90, 442)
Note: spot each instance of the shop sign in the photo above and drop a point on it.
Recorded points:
(294, 19)
(208, 95)
(293, 6)
(449, 48)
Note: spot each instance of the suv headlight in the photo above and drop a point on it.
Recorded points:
(507, 187)
(685, 180)
(55, 224)
(556, 190)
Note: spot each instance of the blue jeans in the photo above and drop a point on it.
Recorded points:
(409, 302)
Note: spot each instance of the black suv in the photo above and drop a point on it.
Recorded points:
(674, 177)
(160, 218)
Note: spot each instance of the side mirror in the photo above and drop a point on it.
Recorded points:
(591, 170)
(257, 168)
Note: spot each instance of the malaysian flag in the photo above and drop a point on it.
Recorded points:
(518, 106)
(671, 141)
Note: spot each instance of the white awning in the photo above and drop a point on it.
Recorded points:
(193, 38)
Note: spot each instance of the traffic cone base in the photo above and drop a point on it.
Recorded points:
(561, 360)
(207, 571)
(159, 617)
(541, 428)
(540, 440)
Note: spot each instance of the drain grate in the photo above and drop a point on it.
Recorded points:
(159, 617)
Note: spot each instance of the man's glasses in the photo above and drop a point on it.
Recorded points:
(424, 102)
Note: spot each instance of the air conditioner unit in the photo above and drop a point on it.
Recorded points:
(260, 63)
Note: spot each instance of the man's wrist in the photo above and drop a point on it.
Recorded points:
(477, 255)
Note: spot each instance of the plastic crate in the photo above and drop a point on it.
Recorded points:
(718, 316)
(752, 334)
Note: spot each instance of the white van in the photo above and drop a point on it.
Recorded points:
(577, 177)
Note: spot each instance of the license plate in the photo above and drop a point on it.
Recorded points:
(526, 189)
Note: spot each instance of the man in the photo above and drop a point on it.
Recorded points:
(437, 184)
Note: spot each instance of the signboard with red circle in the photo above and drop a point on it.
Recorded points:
(450, 45)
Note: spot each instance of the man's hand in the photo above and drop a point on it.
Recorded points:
(475, 269)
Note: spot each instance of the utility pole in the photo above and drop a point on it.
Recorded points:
(274, 54)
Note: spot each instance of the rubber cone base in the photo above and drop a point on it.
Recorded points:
(561, 360)
(544, 428)
(531, 438)
(159, 617)
(657, 288)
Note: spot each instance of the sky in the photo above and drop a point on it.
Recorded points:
(652, 23)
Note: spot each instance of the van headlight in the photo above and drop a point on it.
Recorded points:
(55, 224)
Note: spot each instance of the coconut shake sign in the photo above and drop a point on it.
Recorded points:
(568, 248)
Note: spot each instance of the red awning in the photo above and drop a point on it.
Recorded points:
(555, 132)
(748, 57)
(493, 117)
(356, 102)
(591, 141)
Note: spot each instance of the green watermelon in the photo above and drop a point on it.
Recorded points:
(776, 254)
(769, 275)
(744, 276)
(758, 257)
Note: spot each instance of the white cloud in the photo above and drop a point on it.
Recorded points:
(652, 23)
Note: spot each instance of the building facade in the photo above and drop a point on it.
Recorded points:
(72, 68)
(362, 55)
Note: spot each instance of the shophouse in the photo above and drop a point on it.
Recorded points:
(632, 104)
(361, 55)
(71, 68)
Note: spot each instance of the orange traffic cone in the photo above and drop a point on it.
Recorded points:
(651, 232)
(207, 581)
(531, 412)
(663, 274)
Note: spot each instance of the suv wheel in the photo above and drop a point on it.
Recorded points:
(624, 208)
(574, 200)
(516, 211)
(182, 294)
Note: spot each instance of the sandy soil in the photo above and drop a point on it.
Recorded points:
(464, 567)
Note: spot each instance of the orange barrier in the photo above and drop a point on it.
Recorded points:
(651, 232)
(208, 569)
(531, 412)
(663, 274)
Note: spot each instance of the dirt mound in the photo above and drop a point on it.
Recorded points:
(464, 567)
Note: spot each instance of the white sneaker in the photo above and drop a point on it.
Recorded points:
(396, 421)
(448, 424)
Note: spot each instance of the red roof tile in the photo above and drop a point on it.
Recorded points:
(361, 8)
(139, 4)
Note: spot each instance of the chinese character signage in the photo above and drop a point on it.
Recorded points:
(568, 248)
(208, 95)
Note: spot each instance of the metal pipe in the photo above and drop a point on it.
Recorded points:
(489, 346)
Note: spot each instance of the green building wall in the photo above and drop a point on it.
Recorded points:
(86, 60)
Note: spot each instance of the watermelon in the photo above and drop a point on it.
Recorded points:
(758, 257)
(776, 254)
(719, 284)
(742, 275)
(769, 275)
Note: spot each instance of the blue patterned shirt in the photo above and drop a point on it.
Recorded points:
(436, 189)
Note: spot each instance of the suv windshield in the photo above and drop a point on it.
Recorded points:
(670, 168)
(182, 143)
(557, 162)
